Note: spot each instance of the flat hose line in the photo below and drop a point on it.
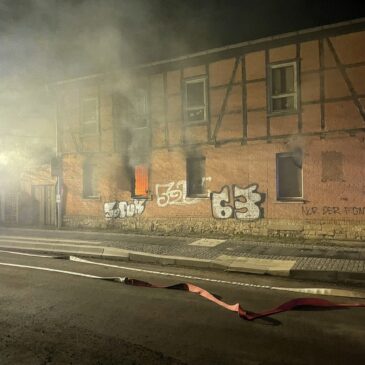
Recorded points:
(298, 303)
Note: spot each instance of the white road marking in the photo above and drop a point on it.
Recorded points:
(31, 254)
(316, 291)
(51, 270)
(207, 242)
(50, 239)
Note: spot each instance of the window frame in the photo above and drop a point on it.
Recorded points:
(97, 122)
(194, 80)
(133, 182)
(287, 199)
(271, 110)
(190, 194)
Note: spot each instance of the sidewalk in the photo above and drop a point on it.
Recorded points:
(326, 261)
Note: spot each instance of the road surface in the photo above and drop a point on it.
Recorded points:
(55, 318)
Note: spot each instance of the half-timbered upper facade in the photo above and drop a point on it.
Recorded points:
(264, 137)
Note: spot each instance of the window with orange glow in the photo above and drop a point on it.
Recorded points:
(141, 180)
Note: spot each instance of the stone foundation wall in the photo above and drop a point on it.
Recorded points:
(323, 229)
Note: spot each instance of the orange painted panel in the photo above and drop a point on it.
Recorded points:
(310, 87)
(255, 65)
(196, 134)
(341, 115)
(311, 118)
(174, 105)
(220, 72)
(357, 78)
(309, 53)
(174, 133)
(158, 136)
(231, 127)
(282, 53)
(173, 82)
(194, 71)
(286, 124)
(334, 84)
(350, 47)
(256, 95)
(257, 126)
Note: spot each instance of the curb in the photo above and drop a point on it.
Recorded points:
(246, 265)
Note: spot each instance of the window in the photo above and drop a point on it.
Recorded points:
(138, 109)
(195, 101)
(90, 183)
(283, 88)
(140, 181)
(195, 173)
(90, 116)
(289, 176)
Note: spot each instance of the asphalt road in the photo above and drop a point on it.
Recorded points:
(53, 318)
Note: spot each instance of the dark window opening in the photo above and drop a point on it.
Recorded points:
(140, 181)
(289, 176)
(195, 172)
(90, 182)
(332, 166)
(195, 101)
(283, 88)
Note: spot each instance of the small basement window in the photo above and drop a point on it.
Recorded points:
(90, 116)
(195, 173)
(289, 179)
(195, 106)
(283, 88)
(140, 181)
(90, 181)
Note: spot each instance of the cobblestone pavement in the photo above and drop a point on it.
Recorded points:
(308, 256)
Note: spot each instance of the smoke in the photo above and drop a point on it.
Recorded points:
(43, 41)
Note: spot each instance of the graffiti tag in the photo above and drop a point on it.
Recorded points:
(114, 210)
(245, 205)
(175, 193)
(327, 210)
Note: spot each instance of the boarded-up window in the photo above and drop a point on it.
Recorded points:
(289, 176)
(141, 181)
(283, 88)
(90, 116)
(195, 172)
(332, 166)
(195, 100)
(90, 182)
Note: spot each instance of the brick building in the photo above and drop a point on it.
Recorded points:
(265, 137)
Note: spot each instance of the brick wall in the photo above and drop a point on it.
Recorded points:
(239, 146)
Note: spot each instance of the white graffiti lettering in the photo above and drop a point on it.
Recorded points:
(247, 209)
(175, 193)
(220, 207)
(245, 204)
(114, 210)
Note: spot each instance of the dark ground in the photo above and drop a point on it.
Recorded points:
(53, 318)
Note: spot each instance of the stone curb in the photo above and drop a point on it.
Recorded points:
(240, 264)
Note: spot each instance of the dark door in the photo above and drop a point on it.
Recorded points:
(45, 204)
